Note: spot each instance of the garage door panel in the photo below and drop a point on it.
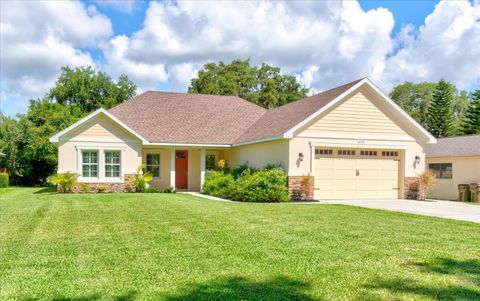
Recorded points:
(336, 178)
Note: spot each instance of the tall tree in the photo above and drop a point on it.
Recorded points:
(89, 89)
(265, 86)
(471, 121)
(414, 99)
(30, 157)
(439, 115)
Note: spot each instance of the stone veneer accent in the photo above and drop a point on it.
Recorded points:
(300, 187)
(412, 190)
(126, 186)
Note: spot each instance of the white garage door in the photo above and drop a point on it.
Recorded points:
(350, 174)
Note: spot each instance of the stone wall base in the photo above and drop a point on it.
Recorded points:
(126, 186)
(412, 189)
(300, 187)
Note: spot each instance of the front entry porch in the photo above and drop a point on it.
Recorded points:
(180, 167)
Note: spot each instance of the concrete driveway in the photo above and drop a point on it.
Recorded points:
(445, 209)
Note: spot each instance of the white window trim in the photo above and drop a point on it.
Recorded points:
(101, 164)
(159, 153)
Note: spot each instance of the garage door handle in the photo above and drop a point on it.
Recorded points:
(357, 173)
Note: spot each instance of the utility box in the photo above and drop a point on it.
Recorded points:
(475, 192)
(464, 193)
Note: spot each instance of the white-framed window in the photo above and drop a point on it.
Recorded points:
(89, 164)
(441, 170)
(112, 163)
(153, 164)
(210, 162)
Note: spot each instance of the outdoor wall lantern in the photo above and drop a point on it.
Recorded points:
(417, 160)
(300, 156)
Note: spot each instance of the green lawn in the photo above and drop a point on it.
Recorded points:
(179, 247)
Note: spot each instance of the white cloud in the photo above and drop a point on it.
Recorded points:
(324, 43)
(446, 46)
(143, 74)
(342, 40)
(39, 37)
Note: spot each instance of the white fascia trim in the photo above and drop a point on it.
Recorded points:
(259, 140)
(56, 137)
(290, 133)
(184, 144)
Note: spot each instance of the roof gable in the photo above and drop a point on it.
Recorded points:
(357, 116)
(91, 116)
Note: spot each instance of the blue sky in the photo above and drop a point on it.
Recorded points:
(161, 45)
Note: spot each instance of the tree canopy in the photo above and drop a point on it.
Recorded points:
(24, 140)
(440, 115)
(416, 98)
(471, 121)
(89, 89)
(265, 85)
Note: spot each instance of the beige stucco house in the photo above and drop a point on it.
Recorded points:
(454, 160)
(349, 142)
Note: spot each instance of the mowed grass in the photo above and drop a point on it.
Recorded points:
(180, 247)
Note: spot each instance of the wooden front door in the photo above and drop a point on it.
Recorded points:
(181, 169)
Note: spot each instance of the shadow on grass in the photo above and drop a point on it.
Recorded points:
(48, 190)
(240, 288)
(467, 272)
(123, 297)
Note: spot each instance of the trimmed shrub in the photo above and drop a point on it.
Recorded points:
(101, 188)
(261, 186)
(169, 189)
(85, 187)
(241, 169)
(4, 179)
(218, 183)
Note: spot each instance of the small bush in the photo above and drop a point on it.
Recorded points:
(101, 188)
(169, 189)
(152, 190)
(64, 181)
(141, 179)
(261, 186)
(218, 183)
(85, 187)
(426, 181)
(4, 179)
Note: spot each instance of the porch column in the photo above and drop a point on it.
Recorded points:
(172, 167)
(312, 158)
(202, 167)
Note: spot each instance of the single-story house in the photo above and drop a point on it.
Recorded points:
(351, 141)
(453, 160)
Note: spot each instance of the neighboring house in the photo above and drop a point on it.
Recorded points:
(454, 160)
(349, 142)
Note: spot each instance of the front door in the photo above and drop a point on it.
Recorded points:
(181, 169)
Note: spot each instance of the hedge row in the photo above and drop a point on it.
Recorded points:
(266, 185)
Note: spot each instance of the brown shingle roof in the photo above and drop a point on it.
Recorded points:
(461, 146)
(212, 119)
(188, 118)
(279, 120)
